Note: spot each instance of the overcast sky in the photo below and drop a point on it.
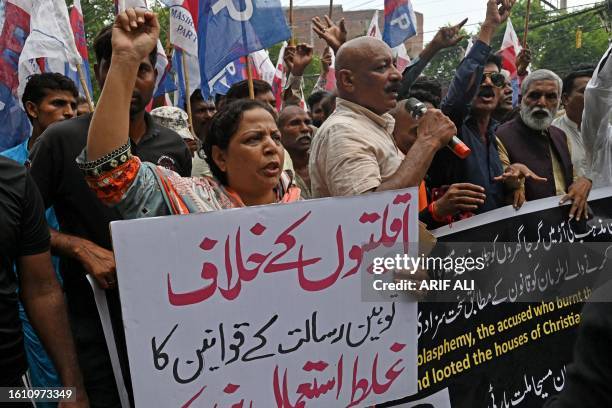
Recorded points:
(437, 13)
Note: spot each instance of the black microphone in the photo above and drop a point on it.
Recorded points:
(417, 109)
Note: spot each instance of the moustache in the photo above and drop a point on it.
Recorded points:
(304, 136)
(537, 111)
(393, 87)
(486, 92)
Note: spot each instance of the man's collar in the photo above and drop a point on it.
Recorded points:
(570, 122)
(385, 120)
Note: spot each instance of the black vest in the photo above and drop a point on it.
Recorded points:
(531, 147)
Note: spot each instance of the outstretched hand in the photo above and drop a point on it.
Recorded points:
(515, 173)
(334, 34)
(447, 37)
(135, 33)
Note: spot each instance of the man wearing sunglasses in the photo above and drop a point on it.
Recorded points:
(472, 98)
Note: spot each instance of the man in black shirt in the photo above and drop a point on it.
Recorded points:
(24, 240)
(84, 242)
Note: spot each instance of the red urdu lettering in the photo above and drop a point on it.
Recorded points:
(360, 385)
(197, 394)
(316, 285)
(286, 239)
(209, 271)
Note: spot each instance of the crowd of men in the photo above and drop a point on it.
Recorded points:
(360, 138)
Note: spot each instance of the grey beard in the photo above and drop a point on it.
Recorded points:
(535, 123)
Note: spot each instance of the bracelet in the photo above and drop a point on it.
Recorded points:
(107, 162)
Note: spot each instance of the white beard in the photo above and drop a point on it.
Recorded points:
(534, 122)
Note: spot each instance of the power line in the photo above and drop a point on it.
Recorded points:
(564, 17)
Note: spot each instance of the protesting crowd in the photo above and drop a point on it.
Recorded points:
(465, 147)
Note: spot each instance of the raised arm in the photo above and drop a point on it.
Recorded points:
(446, 37)
(469, 73)
(135, 34)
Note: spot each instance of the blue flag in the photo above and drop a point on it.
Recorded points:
(15, 26)
(400, 22)
(232, 73)
(230, 29)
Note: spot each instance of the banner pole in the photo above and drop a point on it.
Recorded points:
(526, 24)
(84, 86)
(187, 91)
(292, 40)
(331, 7)
(250, 77)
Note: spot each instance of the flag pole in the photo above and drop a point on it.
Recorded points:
(331, 7)
(292, 40)
(526, 24)
(84, 86)
(250, 77)
(187, 92)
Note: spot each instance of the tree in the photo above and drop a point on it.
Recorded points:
(551, 37)
(444, 64)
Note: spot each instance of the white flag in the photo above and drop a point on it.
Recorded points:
(374, 29)
(50, 37)
(265, 68)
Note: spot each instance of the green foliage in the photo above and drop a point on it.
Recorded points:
(551, 38)
(312, 70)
(443, 65)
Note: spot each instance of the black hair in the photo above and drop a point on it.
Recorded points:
(426, 89)
(581, 71)
(328, 104)
(316, 97)
(39, 84)
(240, 90)
(223, 126)
(196, 96)
(103, 47)
(494, 59)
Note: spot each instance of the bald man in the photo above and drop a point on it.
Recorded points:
(354, 152)
(295, 126)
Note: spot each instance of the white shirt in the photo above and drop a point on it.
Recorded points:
(597, 123)
(577, 146)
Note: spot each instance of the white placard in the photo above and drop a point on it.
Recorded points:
(262, 306)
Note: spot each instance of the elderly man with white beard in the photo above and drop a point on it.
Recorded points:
(531, 140)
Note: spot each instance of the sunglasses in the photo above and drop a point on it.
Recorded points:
(496, 78)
